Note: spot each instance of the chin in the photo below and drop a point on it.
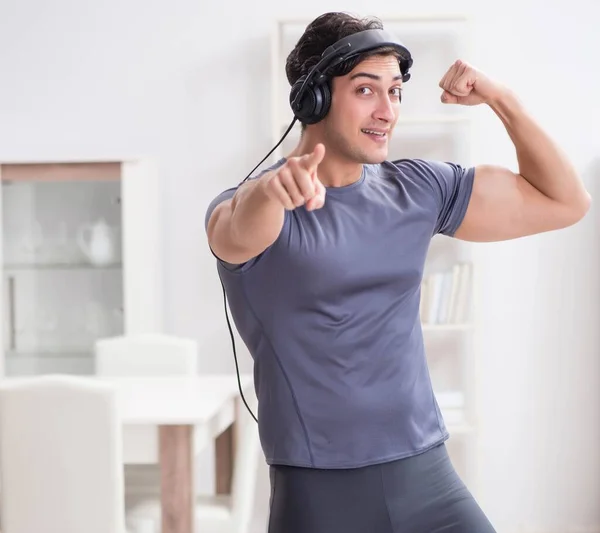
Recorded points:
(373, 154)
(375, 160)
(364, 154)
(374, 157)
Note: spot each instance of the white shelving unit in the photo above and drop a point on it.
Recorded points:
(80, 252)
(431, 130)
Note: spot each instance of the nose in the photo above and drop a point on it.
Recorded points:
(386, 109)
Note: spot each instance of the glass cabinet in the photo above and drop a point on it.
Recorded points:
(80, 260)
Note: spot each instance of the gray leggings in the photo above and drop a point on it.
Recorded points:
(420, 494)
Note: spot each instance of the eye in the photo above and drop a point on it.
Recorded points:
(364, 90)
(397, 92)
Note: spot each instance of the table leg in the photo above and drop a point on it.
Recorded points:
(224, 458)
(177, 479)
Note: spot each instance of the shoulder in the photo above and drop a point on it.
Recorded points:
(425, 169)
(415, 176)
(437, 177)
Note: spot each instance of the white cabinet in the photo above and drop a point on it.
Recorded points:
(427, 129)
(81, 259)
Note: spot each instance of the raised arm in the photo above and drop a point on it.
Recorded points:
(244, 226)
(545, 194)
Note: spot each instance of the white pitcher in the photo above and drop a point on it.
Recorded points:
(97, 242)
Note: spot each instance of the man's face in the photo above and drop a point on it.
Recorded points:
(364, 110)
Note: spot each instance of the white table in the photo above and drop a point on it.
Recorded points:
(190, 413)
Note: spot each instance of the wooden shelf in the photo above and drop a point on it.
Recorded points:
(89, 171)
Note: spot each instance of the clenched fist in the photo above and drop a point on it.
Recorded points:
(465, 85)
(296, 182)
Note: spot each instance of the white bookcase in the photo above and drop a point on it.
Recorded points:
(80, 251)
(431, 130)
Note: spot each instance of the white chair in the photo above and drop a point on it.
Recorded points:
(135, 355)
(231, 513)
(60, 456)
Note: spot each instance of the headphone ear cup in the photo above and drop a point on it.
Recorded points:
(305, 107)
(323, 98)
(314, 103)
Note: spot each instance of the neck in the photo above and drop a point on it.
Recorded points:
(335, 170)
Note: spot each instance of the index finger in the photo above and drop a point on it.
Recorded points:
(311, 161)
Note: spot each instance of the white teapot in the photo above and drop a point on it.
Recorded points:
(97, 242)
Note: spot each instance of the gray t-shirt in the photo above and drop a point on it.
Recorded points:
(330, 315)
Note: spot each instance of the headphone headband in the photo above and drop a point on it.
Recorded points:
(347, 48)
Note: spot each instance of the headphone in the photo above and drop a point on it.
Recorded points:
(310, 96)
(310, 99)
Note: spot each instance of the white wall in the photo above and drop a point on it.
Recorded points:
(175, 80)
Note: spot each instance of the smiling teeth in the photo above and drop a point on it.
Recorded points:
(374, 132)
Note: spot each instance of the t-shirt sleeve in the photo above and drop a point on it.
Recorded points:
(452, 186)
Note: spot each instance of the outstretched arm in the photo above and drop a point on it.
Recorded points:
(545, 194)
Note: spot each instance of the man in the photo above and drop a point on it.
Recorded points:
(322, 257)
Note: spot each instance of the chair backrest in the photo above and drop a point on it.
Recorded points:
(146, 354)
(60, 456)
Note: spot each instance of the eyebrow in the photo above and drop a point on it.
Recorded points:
(372, 76)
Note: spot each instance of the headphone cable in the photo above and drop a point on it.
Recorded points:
(272, 149)
(237, 369)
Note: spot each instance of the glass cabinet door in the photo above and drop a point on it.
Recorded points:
(62, 265)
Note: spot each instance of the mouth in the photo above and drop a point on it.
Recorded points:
(377, 135)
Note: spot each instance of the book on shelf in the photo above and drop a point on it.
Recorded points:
(446, 295)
